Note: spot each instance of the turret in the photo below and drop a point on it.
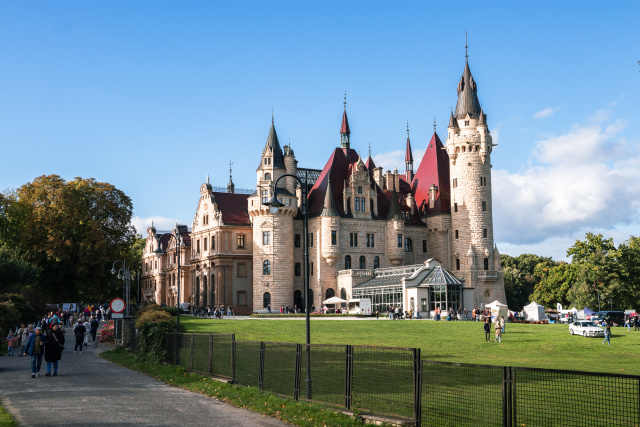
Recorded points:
(408, 159)
(345, 132)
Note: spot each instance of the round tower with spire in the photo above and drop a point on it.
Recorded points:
(469, 145)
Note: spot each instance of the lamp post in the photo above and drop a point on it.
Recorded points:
(125, 275)
(159, 252)
(274, 205)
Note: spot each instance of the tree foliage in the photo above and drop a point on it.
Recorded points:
(521, 276)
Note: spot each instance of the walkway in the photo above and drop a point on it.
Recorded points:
(89, 390)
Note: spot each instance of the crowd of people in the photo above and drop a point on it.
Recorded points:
(45, 339)
(215, 312)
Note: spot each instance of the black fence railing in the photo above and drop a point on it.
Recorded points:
(397, 383)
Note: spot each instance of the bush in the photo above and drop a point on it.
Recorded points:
(107, 334)
(156, 316)
(155, 307)
(153, 322)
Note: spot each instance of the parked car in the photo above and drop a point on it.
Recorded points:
(617, 317)
(586, 329)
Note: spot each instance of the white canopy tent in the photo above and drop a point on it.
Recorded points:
(334, 300)
(498, 309)
(534, 311)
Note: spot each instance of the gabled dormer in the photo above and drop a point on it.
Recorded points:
(358, 195)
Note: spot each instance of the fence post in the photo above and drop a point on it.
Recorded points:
(233, 358)
(191, 345)
(417, 387)
(261, 366)
(514, 396)
(210, 354)
(296, 381)
(510, 397)
(348, 376)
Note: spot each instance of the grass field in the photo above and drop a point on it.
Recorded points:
(523, 345)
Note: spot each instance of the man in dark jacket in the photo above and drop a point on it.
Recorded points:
(79, 331)
(34, 349)
(94, 327)
(53, 349)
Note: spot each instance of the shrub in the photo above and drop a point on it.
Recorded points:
(155, 307)
(107, 334)
(156, 316)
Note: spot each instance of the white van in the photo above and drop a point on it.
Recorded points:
(360, 306)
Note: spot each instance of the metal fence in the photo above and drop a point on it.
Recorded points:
(395, 382)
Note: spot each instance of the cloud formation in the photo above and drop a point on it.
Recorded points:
(547, 112)
(395, 159)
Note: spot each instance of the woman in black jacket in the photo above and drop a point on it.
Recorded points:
(53, 349)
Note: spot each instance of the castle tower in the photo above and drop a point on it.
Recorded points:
(345, 132)
(408, 159)
(469, 146)
(272, 233)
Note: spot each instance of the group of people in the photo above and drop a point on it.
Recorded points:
(47, 339)
(498, 326)
(218, 312)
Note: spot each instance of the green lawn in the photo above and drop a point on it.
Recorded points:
(524, 345)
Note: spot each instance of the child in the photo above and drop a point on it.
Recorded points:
(11, 343)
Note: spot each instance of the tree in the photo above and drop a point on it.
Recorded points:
(555, 283)
(629, 272)
(73, 231)
(520, 277)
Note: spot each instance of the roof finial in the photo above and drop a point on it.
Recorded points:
(407, 128)
(369, 149)
(207, 178)
(434, 124)
(271, 115)
(230, 164)
(345, 100)
(465, 44)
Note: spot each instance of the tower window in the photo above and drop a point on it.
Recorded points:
(455, 207)
(297, 269)
(353, 240)
(457, 263)
(408, 245)
(310, 239)
(267, 176)
(484, 233)
(241, 241)
(376, 262)
(265, 196)
(486, 263)
(456, 234)
(484, 206)
(347, 262)
(363, 263)
(424, 246)
(266, 237)
(370, 241)
(310, 269)
(362, 204)
(399, 240)
(334, 237)
(359, 190)
(466, 122)
(455, 182)
(483, 181)
(357, 204)
(266, 267)
(296, 240)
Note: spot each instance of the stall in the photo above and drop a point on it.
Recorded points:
(498, 309)
(534, 312)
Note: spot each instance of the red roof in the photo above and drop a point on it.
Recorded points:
(345, 124)
(233, 207)
(433, 169)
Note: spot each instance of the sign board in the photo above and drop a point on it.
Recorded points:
(117, 305)
(68, 306)
(117, 315)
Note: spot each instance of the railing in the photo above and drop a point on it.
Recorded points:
(395, 382)
(486, 274)
(356, 273)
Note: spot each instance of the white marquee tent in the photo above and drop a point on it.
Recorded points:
(534, 311)
(498, 309)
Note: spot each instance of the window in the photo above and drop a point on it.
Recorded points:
(484, 233)
(353, 240)
(310, 237)
(455, 182)
(370, 241)
(424, 246)
(376, 262)
(310, 269)
(296, 240)
(456, 234)
(197, 246)
(204, 245)
(455, 207)
(457, 263)
(486, 263)
(266, 300)
(330, 293)
(362, 204)
(466, 122)
(296, 269)
(266, 237)
(267, 177)
(347, 262)
(399, 240)
(242, 269)
(213, 242)
(483, 181)
(240, 239)
(334, 237)
(266, 267)
(343, 295)
(242, 298)
(357, 204)
(363, 263)
(484, 206)
(359, 190)
(265, 196)
(408, 245)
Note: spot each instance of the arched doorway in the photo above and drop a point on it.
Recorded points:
(266, 300)
(298, 300)
(343, 295)
(330, 293)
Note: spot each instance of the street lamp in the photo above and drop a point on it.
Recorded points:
(274, 206)
(159, 252)
(125, 275)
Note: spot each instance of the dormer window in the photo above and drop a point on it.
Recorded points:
(359, 190)
(267, 177)
(466, 122)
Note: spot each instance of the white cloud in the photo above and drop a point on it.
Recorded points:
(547, 112)
(161, 223)
(395, 159)
(584, 180)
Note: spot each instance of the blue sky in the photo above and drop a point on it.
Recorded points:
(153, 96)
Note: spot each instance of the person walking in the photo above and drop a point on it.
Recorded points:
(94, 327)
(79, 332)
(498, 329)
(23, 335)
(11, 341)
(607, 334)
(487, 330)
(53, 349)
(34, 349)
(502, 322)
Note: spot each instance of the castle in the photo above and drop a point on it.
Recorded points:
(363, 222)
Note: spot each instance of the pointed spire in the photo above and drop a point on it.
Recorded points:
(272, 149)
(230, 186)
(329, 206)
(453, 123)
(345, 132)
(482, 120)
(467, 92)
(408, 155)
(207, 178)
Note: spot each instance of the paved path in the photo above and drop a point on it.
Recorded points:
(91, 391)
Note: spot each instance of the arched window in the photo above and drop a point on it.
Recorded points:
(266, 267)
(376, 262)
(267, 177)
(330, 293)
(347, 262)
(343, 295)
(297, 299)
(363, 263)
(266, 300)
(408, 245)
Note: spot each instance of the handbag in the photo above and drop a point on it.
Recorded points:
(58, 342)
